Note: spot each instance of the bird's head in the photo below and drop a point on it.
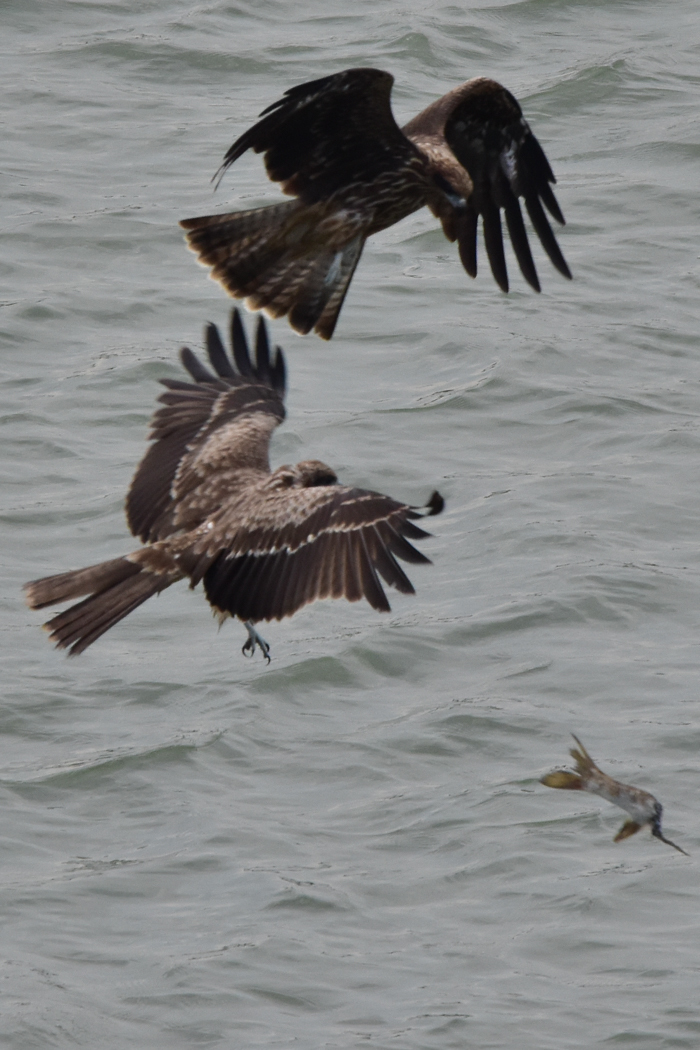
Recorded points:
(312, 472)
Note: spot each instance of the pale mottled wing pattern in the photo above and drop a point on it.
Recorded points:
(207, 507)
(219, 407)
(301, 544)
(492, 140)
(329, 134)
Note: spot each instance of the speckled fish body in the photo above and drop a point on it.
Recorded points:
(642, 807)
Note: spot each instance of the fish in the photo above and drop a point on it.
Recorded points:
(642, 807)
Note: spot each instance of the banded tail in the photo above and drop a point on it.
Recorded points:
(115, 589)
(277, 260)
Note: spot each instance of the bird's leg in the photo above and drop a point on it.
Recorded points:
(255, 641)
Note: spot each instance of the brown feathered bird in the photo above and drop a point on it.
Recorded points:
(334, 145)
(208, 508)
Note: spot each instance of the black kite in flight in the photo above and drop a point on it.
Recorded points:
(207, 507)
(334, 145)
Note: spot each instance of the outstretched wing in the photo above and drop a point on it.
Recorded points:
(288, 547)
(491, 139)
(222, 421)
(325, 135)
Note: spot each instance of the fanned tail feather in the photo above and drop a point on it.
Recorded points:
(115, 589)
(66, 585)
(271, 258)
(241, 245)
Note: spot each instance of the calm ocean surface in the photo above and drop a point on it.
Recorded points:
(351, 847)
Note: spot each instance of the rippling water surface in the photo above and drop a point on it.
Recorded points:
(351, 846)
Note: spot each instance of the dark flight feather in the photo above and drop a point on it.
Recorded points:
(346, 109)
(488, 134)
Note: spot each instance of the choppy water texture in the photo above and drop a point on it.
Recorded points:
(351, 846)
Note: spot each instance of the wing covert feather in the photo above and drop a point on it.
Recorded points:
(303, 544)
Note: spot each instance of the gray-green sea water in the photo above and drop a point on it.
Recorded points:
(351, 847)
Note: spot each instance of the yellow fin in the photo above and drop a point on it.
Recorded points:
(561, 779)
(627, 829)
(584, 762)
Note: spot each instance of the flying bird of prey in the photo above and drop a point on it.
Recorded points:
(333, 144)
(642, 807)
(208, 508)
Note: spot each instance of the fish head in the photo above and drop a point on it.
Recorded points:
(655, 825)
(655, 819)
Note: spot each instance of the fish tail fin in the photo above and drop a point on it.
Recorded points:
(561, 779)
(584, 763)
(271, 258)
(114, 588)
